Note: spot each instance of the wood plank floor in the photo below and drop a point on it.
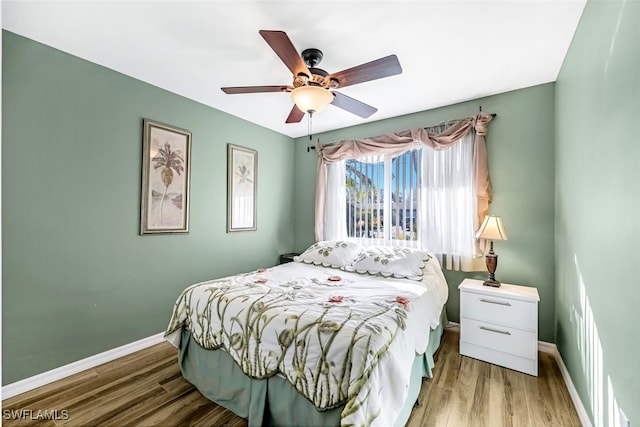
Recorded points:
(146, 389)
(468, 392)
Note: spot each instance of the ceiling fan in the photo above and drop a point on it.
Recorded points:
(313, 88)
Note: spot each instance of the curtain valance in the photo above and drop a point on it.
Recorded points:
(396, 143)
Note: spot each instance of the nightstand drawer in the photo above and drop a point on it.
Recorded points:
(494, 308)
(499, 338)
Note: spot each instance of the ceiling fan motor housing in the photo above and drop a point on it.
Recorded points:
(318, 77)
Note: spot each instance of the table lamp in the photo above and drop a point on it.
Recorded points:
(491, 229)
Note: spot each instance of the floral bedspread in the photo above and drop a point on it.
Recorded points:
(336, 336)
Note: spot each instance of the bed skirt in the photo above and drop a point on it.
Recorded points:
(273, 401)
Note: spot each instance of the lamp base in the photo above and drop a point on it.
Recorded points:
(492, 263)
(492, 283)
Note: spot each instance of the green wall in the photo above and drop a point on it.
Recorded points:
(598, 210)
(521, 150)
(77, 278)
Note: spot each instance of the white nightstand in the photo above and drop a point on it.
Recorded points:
(500, 325)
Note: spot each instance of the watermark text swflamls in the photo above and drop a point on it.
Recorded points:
(33, 415)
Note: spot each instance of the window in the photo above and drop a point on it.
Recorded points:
(421, 198)
(421, 187)
(381, 196)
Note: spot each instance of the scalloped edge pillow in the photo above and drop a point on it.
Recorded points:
(391, 261)
(333, 253)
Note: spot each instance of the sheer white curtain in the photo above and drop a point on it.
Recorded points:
(335, 207)
(448, 204)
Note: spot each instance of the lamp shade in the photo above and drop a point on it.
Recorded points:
(311, 98)
(491, 229)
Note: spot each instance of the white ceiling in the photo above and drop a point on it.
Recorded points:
(450, 51)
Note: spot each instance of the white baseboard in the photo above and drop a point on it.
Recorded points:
(547, 347)
(56, 374)
(582, 412)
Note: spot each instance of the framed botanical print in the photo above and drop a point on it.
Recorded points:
(242, 174)
(166, 163)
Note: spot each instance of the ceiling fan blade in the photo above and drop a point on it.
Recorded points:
(383, 67)
(282, 46)
(295, 116)
(353, 105)
(255, 89)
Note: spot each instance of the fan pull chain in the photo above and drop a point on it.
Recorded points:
(310, 130)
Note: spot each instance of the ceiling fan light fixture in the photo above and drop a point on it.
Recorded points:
(311, 98)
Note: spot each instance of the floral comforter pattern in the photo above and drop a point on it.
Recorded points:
(325, 331)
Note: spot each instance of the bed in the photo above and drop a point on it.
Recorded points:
(342, 336)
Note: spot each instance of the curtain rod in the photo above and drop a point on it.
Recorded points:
(453, 121)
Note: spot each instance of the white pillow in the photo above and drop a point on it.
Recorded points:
(390, 261)
(337, 254)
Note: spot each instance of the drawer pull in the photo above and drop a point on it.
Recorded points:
(495, 302)
(495, 330)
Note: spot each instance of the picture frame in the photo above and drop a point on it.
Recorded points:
(242, 185)
(166, 171)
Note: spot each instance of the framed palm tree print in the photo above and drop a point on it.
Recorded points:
(242, 174)
(166, 158)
